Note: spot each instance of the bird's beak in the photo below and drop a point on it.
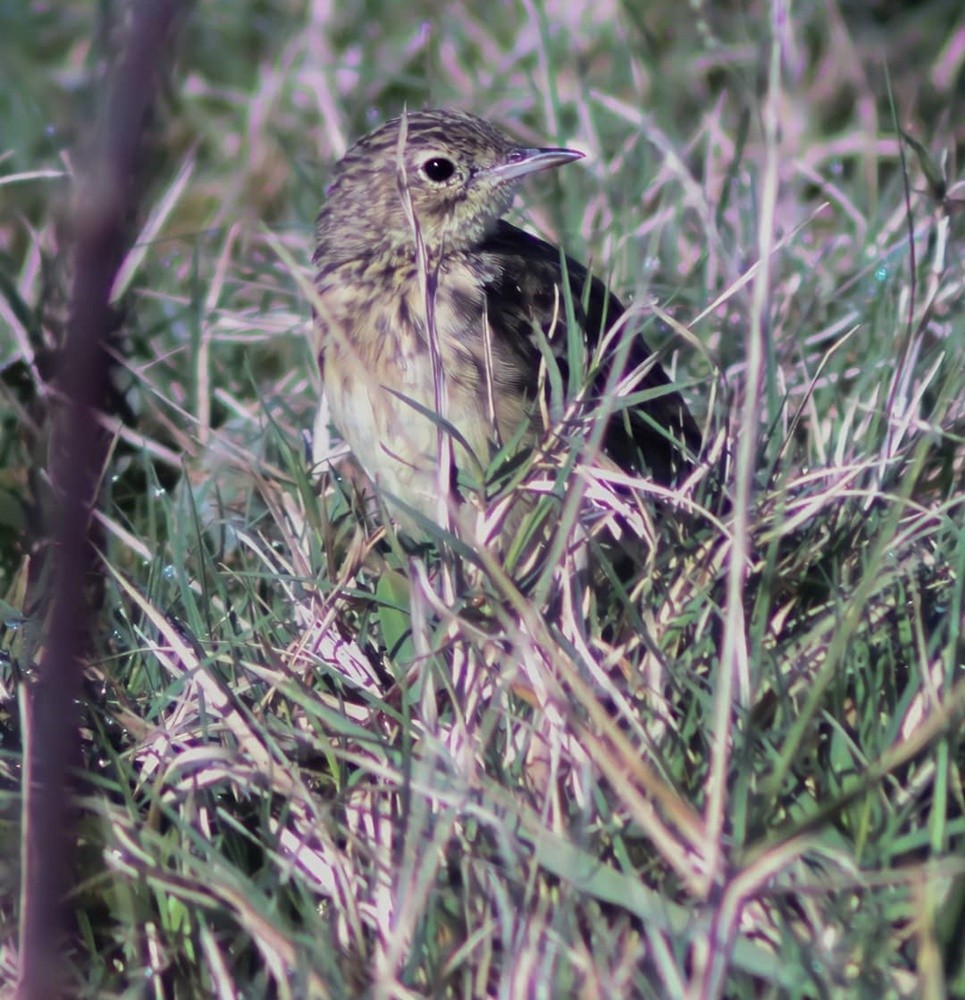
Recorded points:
(524, 161)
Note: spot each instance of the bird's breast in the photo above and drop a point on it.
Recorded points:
(379, 378)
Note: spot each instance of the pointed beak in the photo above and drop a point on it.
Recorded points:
(524, 161)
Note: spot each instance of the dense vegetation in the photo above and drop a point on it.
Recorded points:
(319, 762)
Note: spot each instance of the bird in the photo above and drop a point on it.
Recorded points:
(430, 307)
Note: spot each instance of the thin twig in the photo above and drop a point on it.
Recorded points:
(105, 204)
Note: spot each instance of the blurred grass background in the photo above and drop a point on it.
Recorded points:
(304, 775)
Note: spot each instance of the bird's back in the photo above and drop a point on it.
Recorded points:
(657, 435)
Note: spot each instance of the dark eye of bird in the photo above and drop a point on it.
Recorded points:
(438, 169)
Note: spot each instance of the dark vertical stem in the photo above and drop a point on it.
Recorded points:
(105, 205)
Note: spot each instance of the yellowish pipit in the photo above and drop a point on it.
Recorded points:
(429, 302)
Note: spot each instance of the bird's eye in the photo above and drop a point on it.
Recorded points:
(438, 169)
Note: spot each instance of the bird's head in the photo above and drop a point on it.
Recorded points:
(458, 172)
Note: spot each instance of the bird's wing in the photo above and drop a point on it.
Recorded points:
(526, 288)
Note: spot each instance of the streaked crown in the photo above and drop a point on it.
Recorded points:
(459, 171)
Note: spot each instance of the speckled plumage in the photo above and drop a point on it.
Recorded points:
(490, 284)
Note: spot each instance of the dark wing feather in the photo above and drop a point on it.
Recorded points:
(526, 274)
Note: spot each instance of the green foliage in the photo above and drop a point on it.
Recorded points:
(318, 763)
